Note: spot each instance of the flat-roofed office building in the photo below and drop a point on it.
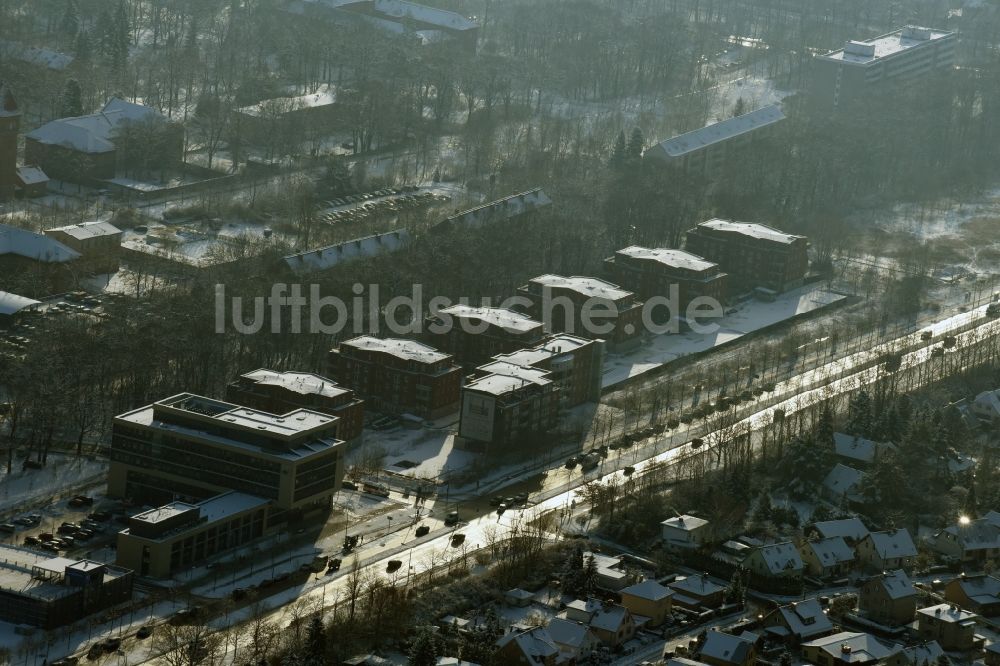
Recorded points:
(863, 67)
(178, 535)
(191, 448)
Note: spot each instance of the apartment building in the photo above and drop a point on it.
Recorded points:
(191, 448)
(654, 272)
(706, 149)
(476, 334)
(586, 306)
(508, 405)
(399, 376)
(862, 68)
(754, 255)
(281, 392)
(575, 365)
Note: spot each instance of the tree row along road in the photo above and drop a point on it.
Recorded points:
(839, 377)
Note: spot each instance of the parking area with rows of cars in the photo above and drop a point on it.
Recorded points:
(362, 207)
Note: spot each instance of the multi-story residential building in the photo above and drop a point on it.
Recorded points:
(50, 592)
(949, 625)
(509, 404)
(654, 272)
(178, 535)
(754, 255)
(888, 598)
(853, 73)
(191, 448)
(476, 334)
(707, 149)
(399, 376)
(280, 392)
(493, 212)
(575, 365)
(586, 306)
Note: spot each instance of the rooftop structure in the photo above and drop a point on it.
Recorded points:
(93, 133)
(30, 245)
(866, 52)
(726, 648)
(405, 350)
(304, 383)
(500, 317)
(587, 287)
(851, 529)
(751, 230)
(850, 648)
(495, 211)
(86, 230)
(422, 13)
(11, 304)
(670, 257)
(716, 133)
(328, 257)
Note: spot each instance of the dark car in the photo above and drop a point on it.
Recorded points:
(31, 541)
(145, 631)
(95, 652)
(81, 500)
(238, 593)
(334, 565)
(347, 485)
(393, 565)
(8, 527)
(111, 643)
(457, 540)
(99, 516)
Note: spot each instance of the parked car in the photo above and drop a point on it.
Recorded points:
(457, 540)
(334, 565)
(451, 518)
(23, 521)
(111, 643)
(422, 530)
(393, 565)
(81, 500)
(145, 631)
(31, 540)
(99, 516)
(8, 527)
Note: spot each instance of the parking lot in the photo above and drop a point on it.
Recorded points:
(355, 208)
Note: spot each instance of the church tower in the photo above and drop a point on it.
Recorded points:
(10, 123)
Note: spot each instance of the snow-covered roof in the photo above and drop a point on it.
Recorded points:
(507, 377)
(585, 286)
(408, 350)
(228, 504)
(854, 447)
(983, 588)
(610, 618)
(360, 248)
(326, 95)
(750, 230)
(34, 55)
(831, 551)
(781, 557)
(424, 14)
(670, 258)
(925, 653)
(892, 544)
(979, 534)
(86, 230)
(508, 320)
(896, 584)
(696, 585)
(843, 480)
(8, 104)
(24, 243)
(562, 343)
(685, 522)
(303, 383)
(853, 647)
(869, 51)
(12, 303)
(567, 632)
(501, 209)
(849, 528)
(724, 130)
(29, 175)
(805, 619)
(93, 133)
(948, 613)
(536, 644)
(648, 589)
(727, 648)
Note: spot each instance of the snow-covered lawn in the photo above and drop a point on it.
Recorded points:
(60, 474)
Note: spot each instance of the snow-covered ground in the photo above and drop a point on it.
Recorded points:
(748, 317)
(62, 472)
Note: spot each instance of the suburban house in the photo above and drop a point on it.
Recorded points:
(685, 532)
(775, 560)
(611, 623)
(949, 625)
(576, 642)
(852, 530)
(722, 649)
(798, 621)
(843, 484)
(648, 599)
(697, 592)
(979, 594)
(972, 541)
(852, 649)
(992, 657)
(856, 450)
(888, 598)
(986, 407)
(528, 647)
(882, 551)
(827, 558)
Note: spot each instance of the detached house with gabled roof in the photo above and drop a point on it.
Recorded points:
(892, 549)
(722, 649)
(827, 557)
(613, 624)
(531, 647)
(798, 621)
(888, 598)
(776, 560)
(851, 529)
(970, 541)
(576, 642)
(979, 594)
(648, 599)
(697, 592)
